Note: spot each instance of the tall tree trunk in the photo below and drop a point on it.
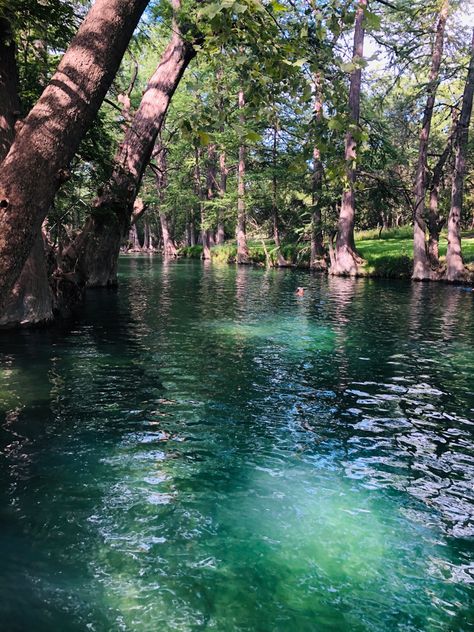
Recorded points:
(276, 232)
(211, 186)
(220, 233)
(169, 247)
(37, 162)
(455, 270)
(317, 258)
(421, 264)
(346, 258)
(435, 222)
(223, 171)
(146, 236)
(133, 239)
(30, 302)
(242, 248)
(98, 249)
(149, 236)
(190, 229)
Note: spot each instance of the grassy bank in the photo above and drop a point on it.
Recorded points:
(389, 255)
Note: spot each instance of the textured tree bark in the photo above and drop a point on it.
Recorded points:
(421, 264)
(346, 258)
(37, 162)
(455, 270)
(30, 302)
(99, 248)
(242, 248)
(317, 258)
(435, 222)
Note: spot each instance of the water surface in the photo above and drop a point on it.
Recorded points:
(203, 450)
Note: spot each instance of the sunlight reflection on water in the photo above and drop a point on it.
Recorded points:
(204, 451)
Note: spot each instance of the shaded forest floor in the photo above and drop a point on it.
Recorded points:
(388, 255)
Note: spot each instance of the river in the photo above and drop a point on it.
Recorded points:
(205, 450)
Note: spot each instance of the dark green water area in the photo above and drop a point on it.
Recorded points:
(204, 450)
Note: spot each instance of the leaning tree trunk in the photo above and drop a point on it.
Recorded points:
(317, 258)
(455, 270)
(39, 157)
(346, 258)
(98, 249)
(421, 264)
(30, 302)
(242, 248)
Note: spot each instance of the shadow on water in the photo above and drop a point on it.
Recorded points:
(204, 450)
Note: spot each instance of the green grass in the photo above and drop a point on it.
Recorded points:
(403, 232)
(392, 256)
(389, 256)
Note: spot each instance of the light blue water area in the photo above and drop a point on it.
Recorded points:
(204, 450)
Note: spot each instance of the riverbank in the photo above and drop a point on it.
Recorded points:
(388, 255)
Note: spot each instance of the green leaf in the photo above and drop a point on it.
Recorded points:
(253, 137)
(239, 8)
(211, 10)
(277, 7)
(204, 138)
(336, 124)
(372, 21)
(348, 66)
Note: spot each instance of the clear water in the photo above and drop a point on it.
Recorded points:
(206, 451)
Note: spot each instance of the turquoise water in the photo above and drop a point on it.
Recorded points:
(203, 450)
